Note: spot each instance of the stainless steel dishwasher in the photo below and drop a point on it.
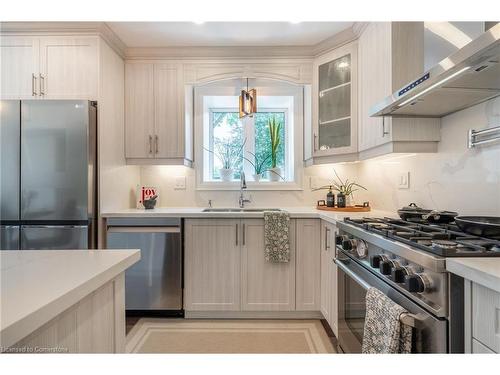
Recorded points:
(153, 286)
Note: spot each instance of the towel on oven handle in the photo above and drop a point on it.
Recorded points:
(383, 330)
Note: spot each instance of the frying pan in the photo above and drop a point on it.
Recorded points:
(483, 226)
(414, 213)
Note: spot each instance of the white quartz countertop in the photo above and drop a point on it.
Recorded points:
(197, 212)
(484, 271)
(38, 285)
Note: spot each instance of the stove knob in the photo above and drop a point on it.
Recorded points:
(386, 267)
(340, 239)
(347, 245)
(398, 274)
(416, 283)
(375, 261)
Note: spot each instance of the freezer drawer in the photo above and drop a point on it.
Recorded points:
(53, 237)
(155, 282)
(9, 237)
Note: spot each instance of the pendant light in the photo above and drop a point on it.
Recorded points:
(248, 102)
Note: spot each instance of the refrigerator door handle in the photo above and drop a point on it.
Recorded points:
(54, 226)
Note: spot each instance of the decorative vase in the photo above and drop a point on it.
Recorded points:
(341, 200)
(226, 174)
(274, 174)
(349, 201)
(257, 177)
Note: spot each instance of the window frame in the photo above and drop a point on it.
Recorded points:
(293, 132)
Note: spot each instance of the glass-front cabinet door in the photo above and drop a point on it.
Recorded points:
(335, 103)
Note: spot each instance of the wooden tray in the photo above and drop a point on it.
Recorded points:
(344, 209)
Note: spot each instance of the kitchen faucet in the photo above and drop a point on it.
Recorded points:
(243, 185)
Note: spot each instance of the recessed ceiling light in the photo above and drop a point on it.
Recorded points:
(295, 22)
(199, 22)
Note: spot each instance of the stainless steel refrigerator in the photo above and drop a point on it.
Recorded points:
(48, 174)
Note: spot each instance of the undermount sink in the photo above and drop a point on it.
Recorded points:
(240, 209)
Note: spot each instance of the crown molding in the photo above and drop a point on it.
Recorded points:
(185, 53)
(338, 40)
(226, 52)
(66, 28)
(359, 27)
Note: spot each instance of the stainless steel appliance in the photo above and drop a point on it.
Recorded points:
(467, 77)
(154, 284)
(407, 262)
(48, 194)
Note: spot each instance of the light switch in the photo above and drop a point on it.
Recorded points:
(404, 180)
(180, 183)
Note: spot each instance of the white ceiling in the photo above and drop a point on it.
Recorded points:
(168, 34)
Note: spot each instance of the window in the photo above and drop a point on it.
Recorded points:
(246, 141)
(241, 144)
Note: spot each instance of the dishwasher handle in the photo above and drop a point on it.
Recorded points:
(112, 229)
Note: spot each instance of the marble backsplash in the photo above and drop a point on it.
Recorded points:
(456, 178)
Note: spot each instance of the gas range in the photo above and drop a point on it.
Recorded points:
(407, 262)
(446, 240)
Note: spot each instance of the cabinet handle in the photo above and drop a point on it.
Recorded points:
(243, 229)
(150, 144)
(42, 85)
(33, 84)
(237, 234)
(156, 144)
(315, 139)
(327, 242)
(384, 133)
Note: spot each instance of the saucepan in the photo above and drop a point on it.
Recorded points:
(414, 213)
(483, 226)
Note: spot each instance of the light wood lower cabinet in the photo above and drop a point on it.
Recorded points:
(329, 304)
(265, 286)
(226, 270)
(96, 324)
(212, 265)
(308, 263)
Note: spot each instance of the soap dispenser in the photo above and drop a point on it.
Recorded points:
(330, 198)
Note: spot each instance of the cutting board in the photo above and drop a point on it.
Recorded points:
(344, 209)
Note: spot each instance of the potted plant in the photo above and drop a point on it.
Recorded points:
(275, 137)
(227, 153)
(345, 188)
(258, 165)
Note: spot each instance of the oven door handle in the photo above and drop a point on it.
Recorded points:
(352, 275)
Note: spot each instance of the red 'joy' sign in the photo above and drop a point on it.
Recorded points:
(147, 192)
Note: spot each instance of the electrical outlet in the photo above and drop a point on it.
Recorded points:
(404, 180)
(180, 183)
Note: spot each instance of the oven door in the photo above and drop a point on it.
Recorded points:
(429, 333)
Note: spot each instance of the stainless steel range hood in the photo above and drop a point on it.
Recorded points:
(467, 77)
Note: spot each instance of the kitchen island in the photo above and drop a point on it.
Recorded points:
(63, 301)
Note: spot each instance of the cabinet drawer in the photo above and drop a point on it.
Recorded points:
(478, 348)
(486, 316)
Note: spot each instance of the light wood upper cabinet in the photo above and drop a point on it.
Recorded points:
(335, 97)
(212, 265)
(155, 127)
(68, 67)
(49, 67)
(168, 95)
(386, 63)
(139, 111)
(19, 63)
(265, 286)
(308, 264)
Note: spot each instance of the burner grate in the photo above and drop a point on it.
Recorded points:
(441, 239)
